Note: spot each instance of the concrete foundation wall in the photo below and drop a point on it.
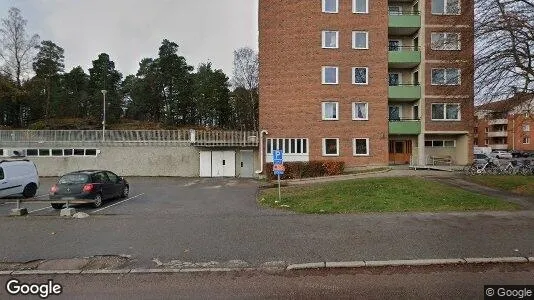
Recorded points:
(181, 161)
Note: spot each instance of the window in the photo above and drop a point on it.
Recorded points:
(68, 152)
(288, 146)
(440, 143)
(395, 113)
(360, 6)
(360, 75)
(330, 6)
(1, 174)
(526, 127)
(330, 147)
(394, 45)
(330, 111)
(446, 76)
(330, 75)
(57, 152)
(446, 7)
(445, 41)
(394, 79)
(32, 152)
(445, 112)
(1, 152)
(486, 130)
(361, 147)
(360, 111)
(475, 130)
(44, 152)
(395, 10)
(360, 40)
(526, 140)
(112, 177)
(330, 39)
(486, 142)
(475, 142)
(79, 152)
(90, 152)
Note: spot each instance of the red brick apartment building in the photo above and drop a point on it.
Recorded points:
(367, 82)
(506, 124)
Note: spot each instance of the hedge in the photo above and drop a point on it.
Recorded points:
(317, 168)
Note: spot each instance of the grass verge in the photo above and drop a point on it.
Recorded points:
(406, 194)
(523, 185)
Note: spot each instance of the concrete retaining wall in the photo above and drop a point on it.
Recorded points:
(181, 161)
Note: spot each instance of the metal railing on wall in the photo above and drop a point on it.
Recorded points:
(129, 137)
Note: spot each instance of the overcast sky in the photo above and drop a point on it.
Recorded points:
(128, 30)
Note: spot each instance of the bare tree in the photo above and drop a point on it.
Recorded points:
(504, 31)
(245, 79)
(16, 46)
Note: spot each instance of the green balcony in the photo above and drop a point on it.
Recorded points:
(405, 58)
(406, 23)
(403, 93)
(404, 127)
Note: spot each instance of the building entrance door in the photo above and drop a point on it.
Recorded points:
(400, 152)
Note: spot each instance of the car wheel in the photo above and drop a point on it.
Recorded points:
(57, 205)
(98, 201)
(29, 190)
(125, 191)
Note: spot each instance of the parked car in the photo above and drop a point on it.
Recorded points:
(95, 185)
(520, 154)
(480, 159)
(18, 177)
(500, 154)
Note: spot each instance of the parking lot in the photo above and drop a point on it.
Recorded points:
(157, 196)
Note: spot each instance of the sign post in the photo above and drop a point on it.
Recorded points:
(278, 168)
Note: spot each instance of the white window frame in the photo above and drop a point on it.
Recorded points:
(330, 12)
(324, 117)
(354, 118)
(304, 150)
(354, 147)
(526, 127)
(360, 12)
(323, 35)
(366, 75)
(324, 146)
(354, 40)
(445, 112)
(445, 13)
(445, 35)
(526, 140)
(442, 141)
(445, 76)
(324, 75)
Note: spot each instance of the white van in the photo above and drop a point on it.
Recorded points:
(18, 177)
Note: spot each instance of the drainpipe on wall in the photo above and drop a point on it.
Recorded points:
(261, 151)
(513, 134)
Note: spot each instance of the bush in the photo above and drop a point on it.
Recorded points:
(296, 170)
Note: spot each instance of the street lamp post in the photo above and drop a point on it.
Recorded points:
(104, 117)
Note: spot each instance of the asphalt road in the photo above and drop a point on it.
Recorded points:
(178, 220)
(465, 282)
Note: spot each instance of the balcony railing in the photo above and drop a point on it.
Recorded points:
(498, 134)
(498, 122)
(404, 48)
(401, 126)
(404, 13)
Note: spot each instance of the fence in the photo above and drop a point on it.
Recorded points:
(129, 137)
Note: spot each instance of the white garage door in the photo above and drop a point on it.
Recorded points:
(205, 164)
(217, 164)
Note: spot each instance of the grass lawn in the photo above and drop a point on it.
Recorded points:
(380, 195)
(523, 185)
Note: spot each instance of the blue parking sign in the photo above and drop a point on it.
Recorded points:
(278, 157)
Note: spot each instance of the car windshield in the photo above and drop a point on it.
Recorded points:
(74, 179)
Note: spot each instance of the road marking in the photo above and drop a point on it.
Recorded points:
(118, 203)
(41, 196)
(39, 209)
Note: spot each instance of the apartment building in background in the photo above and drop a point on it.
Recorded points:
(369, 82)
(506, 124)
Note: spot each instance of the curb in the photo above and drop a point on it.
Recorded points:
(304, 266)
